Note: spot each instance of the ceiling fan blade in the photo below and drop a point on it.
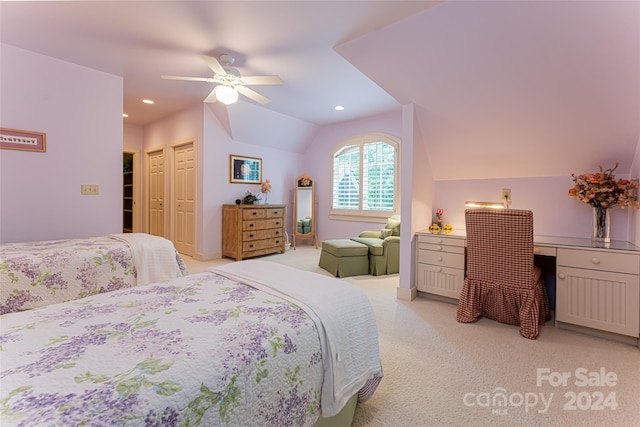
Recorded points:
(194, 79)
(252, 94)
(261, 80)
(211, 98)
(214, 65)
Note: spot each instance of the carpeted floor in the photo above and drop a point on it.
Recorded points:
(442, 373)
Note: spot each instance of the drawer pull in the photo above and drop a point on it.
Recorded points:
(250, 235)
(277, 232)
(277, 242)
(536, 250)
(250, 246)
(278, 223)
(595, 260)
(561, 276)
(439, 270)
(275, 213)
(250, 225)
(439, 247)
(439, 259)
(254, 213)
(439, 240)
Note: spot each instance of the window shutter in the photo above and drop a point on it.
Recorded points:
(346, 170)
(378, 176)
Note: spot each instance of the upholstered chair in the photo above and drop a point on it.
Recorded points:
(384, 247)
(501, 280)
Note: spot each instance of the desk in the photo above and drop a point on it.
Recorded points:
(597, 287)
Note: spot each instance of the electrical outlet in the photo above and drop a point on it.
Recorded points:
(506, 194)
(89, 190)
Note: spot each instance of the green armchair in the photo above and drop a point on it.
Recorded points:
(384, 247)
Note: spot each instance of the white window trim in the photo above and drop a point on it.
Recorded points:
(360, 214)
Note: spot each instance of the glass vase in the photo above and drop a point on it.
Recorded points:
(601, 224)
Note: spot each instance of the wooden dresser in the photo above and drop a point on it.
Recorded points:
(252, 230)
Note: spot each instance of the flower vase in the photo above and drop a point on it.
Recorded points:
(601, 223)
(266, 196)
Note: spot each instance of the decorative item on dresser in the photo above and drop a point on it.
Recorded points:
(252, 230)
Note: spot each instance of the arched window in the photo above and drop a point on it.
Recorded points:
(364, 171)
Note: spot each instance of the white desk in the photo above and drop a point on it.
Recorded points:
(597, 287)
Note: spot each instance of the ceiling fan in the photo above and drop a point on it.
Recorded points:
(230, 81)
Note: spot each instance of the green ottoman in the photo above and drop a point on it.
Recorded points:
(344, 258)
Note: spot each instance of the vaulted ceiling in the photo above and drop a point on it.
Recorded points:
(500, 88)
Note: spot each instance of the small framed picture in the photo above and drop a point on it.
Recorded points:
(245, 170)
(14, 139)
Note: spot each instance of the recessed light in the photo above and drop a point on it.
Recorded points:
(148, 101)
(125, 115)
(338, 108)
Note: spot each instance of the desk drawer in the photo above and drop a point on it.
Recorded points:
(441, 248)
(544, 250)
(599, 260)
(438, 239)
(443, 259)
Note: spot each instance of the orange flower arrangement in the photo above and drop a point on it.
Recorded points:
(266, 186)
(601, 189)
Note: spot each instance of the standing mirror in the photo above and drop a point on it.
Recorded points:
(304, 215)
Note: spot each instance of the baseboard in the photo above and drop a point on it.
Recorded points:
(405, 294)
(207, 257)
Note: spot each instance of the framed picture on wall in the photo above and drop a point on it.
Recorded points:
(245, 170)
(15, 139)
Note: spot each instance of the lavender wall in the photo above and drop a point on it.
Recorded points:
(555, 213)
(279, 166)
(80, 110)
(317, 163)
(634, 217)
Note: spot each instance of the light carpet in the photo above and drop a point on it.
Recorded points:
(442, 373)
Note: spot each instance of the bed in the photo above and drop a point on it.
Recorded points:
(35, 274)
(252, 343)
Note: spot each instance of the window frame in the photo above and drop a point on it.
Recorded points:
(361, 214)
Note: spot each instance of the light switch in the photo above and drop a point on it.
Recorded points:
(91, 190)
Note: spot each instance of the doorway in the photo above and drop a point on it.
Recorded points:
(130, 191)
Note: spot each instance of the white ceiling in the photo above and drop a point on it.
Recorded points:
(501, 89)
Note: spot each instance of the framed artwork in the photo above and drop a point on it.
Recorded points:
(245, 170)
(14, 139)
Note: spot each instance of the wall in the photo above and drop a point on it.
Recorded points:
(278, 166)
(555, 213)
(184, 125)
(317, 163)
(418, 188)
(80, 110)
(634, 216)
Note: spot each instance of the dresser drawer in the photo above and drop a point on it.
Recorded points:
(274, 213)
(255, 245)
(443, 259)
(261, 234)
(599, 260)
(254, 213)
(261, 224)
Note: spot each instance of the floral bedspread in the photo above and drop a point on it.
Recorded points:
(198, 350)
(36, 274)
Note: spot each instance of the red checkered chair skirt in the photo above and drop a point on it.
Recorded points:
(501, 281)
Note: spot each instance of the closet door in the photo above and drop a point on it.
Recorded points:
(184, 198)
(156, 193)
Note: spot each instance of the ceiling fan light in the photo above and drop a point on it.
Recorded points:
(226, 94)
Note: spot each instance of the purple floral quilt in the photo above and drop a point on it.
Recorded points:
(36, 274)
(200, 350)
